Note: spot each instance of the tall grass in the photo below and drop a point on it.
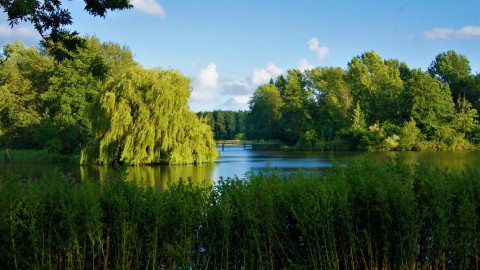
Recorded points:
(366, 215)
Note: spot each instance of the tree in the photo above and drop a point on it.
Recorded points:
(465, 117)
(454, 69)
(24, 75)
(334, 99)
(143, 118)
(220, 127)
(265, 112)
(296, 118)
(409, 136)
(450, 67)
(377, 85)
(49, 18)
(431, 104)
(240, 126)
(230, 123)
(73, 84)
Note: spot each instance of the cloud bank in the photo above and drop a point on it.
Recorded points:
(466, 32)
(236, 103)
(150, 7)
(236, 87)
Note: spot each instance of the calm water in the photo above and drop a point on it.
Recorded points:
(234, 161)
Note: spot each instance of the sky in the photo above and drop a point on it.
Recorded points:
(229, 48)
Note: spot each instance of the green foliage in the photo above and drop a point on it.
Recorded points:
(377, 85)
(310, 140)
(226, 125)
(22, 74)
(49, 18)
(368, 214)
(340, 106)
(265, 113)
(432, 104)
(454, 69)
(409, 136)
(295, 111)
(143, 118)
(333, 100)
(466, 117)
(49, 105)
(358, 120)
(45, 105)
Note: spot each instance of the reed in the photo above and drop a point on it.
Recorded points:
(365, 215)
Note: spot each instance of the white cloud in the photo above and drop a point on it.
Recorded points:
(438, 33)
(18, 32)
(202, 96)
(469, 32)
(149, 6)
(303, 65)
(236, 103)
(262, 76)
(208, 77)
(237, 87)
(466, 32)
(320, 51)
(205, 85)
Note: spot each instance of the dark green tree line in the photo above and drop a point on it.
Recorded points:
(226, 125)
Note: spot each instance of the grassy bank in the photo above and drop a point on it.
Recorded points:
(364, 216)
(16, 155)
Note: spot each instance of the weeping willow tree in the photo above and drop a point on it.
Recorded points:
(143, 118)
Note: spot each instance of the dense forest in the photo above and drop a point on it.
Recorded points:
(100, 103)
(374, 105)
(226, 125)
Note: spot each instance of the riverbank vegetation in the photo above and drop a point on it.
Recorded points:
(373, 105)
(366, 215)
(100, 103)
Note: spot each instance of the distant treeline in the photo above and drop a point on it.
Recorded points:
(374, 105)
(226, 125)
(365, 215)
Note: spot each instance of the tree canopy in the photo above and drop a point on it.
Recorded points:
(102, 103)
(50, 18)
(143, 118)
(375, 104)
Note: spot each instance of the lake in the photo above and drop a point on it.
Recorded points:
(235, 161)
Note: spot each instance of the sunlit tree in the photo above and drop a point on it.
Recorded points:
(143, 118)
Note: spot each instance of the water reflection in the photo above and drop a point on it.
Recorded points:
(234, 161)
(153, 175)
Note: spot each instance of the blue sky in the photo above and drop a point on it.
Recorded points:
(228, 48)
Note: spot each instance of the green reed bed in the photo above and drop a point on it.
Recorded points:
(367, 215)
